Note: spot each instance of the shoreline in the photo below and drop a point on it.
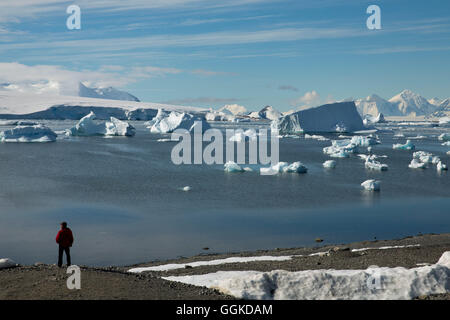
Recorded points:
(49, 282)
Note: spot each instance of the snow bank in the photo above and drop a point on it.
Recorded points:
(37, 133)
(371, 185)
(336, 117)
(88, 127)
(7, 263)
(168, 123)
(329, 164)
(407, 146)
(373, 283)
(284, 167)
(175, 266)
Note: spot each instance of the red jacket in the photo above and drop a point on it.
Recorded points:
(64, 238)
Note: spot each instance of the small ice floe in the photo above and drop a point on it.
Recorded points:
(284, 167)
(407, 146)
(88, 127)
(248, 169)
(7, 263)
(372, 164)
(369, 149)
(447, 143)
(441, 166)
(426, 157)
(37, 133)
(316, 137)
(394, 283)
(187, 188)
(444, 137)
(399, 135)
(232, 166)
(371, 185)
(416, 164)
(417, 137)
(164, 140)
(247, 135)
(330, 164)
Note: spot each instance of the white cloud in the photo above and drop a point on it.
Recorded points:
(311, 99)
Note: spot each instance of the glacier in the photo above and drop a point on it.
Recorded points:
(36, 133)
(335, 117)
(168, 123)
(88, 127)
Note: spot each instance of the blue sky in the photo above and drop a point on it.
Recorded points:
(251, 52)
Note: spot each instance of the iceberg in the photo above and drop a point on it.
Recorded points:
(444, 137)
(161, 114)
(232, 166)
(330, 164)
(284, 167)
(335, 117)
(426, 157)
(37, 133)
(88, 127)
(407, 146)
(416, 164)
(370, 119)
(447, 143)
(7, 263)
(178, 120)
(441, 166)
(372, 164)
(371, 185)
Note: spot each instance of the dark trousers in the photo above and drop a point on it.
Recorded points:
(60, 255)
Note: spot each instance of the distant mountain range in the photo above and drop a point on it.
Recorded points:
(406, 103)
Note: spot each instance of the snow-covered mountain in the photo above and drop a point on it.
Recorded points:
(443, 109)
(410, 103)
(105, 93)
(374, 105)
(234, 109)
(269, 113)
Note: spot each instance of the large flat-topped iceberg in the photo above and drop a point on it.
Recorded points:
(335, 117)
(167, 123)
(88, 127)
(37, 133)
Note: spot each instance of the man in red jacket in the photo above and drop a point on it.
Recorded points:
(65, 240)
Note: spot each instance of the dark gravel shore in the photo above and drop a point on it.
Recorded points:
(49, 282)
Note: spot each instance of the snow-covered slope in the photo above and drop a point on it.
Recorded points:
(17, 105)
(443, 110)
(334, 117)
(410, 103)
(374, 105)
(105, 93)
(233, 109)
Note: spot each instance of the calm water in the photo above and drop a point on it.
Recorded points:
(122, 199)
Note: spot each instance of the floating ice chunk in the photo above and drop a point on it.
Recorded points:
(187, 188)
(161, 114)
(248, 169)
(88, 127)
(447, 143)
(364, 141)
(416, 164)
(316, 137)
(417, 137)
(426, 157)
(329, 164)
(407, 146)
(371, 185)
(178, 120)
(37, 133)
(441, 166)
(369, 149)
(296, 167)
(7, 263)
(444, 137)
(240, 136)
(232, 166)
(372, 164)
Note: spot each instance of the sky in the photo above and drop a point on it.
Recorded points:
(284, 53)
